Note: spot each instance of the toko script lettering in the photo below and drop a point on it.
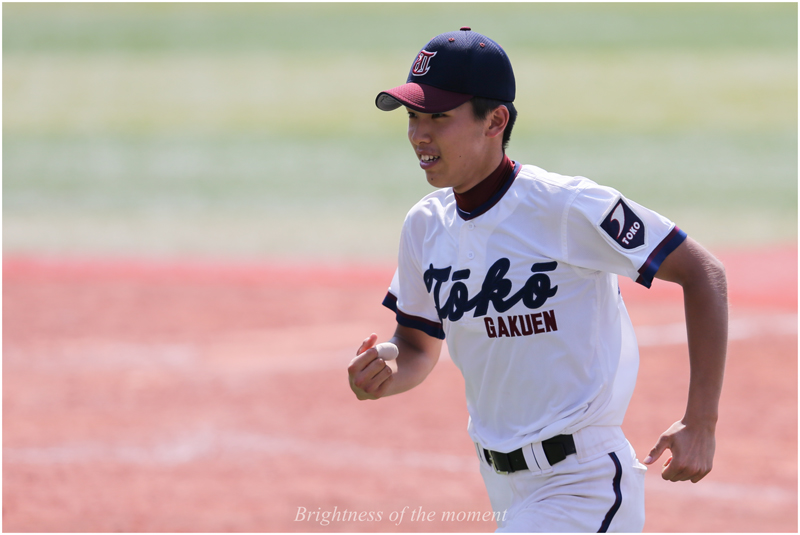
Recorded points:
(495, 290)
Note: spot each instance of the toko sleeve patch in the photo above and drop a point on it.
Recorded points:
(624, 227)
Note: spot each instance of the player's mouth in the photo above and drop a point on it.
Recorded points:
(426, 161)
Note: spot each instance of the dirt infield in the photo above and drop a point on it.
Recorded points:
(154, 396)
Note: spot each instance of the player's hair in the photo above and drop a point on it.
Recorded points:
(482, 106)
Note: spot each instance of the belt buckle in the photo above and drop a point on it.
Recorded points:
(494, 464)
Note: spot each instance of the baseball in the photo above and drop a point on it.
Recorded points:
(387, 351)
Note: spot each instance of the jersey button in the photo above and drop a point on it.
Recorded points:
(470, 255)
(471, 226)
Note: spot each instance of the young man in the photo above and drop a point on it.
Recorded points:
(517, 269)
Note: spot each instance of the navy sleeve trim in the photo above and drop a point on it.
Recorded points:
(653, 262)
(431, 328)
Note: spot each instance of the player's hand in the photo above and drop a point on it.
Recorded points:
(692, 451)
(370, 376)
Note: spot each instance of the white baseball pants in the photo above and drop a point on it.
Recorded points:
(598, 489)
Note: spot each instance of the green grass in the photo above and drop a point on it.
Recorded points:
(250, 130)
(311, 28)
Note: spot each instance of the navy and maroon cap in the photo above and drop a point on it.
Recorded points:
(451, 69)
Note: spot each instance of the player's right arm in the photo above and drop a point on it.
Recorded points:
(371, 377)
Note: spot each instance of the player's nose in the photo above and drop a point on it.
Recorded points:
(418, 133)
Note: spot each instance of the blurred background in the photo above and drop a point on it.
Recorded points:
(201, 208)
(236, 130)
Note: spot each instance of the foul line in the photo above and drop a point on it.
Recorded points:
(738, 329)
(236, 446)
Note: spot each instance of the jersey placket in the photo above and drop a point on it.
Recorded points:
(468, 247)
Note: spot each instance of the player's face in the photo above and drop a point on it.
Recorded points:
(453, 147)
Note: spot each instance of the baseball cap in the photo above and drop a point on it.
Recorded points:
(451, 69)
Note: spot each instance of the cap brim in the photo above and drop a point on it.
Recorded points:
(420, 97)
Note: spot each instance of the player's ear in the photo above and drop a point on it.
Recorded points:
(497, 121)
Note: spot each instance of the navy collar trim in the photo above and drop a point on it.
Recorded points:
(494, 199)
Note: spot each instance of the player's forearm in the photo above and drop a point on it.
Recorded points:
(706, 308)
(411, 367)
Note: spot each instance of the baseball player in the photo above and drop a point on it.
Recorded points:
(516, 267)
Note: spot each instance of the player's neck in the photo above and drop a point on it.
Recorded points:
(483, 191)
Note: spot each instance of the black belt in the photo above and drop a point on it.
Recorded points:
(555, 449)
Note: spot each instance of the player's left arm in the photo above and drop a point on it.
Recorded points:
(691, 440)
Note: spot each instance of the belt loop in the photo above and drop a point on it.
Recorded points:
(530, 459)
(540, 459)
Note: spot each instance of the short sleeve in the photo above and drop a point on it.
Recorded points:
(603, 230)
(408, 296)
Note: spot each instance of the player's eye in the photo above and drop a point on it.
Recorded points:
(438, 115)
(411, 115)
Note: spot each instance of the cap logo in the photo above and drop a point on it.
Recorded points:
(423, 63)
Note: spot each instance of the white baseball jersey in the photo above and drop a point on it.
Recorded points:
(524, 290)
